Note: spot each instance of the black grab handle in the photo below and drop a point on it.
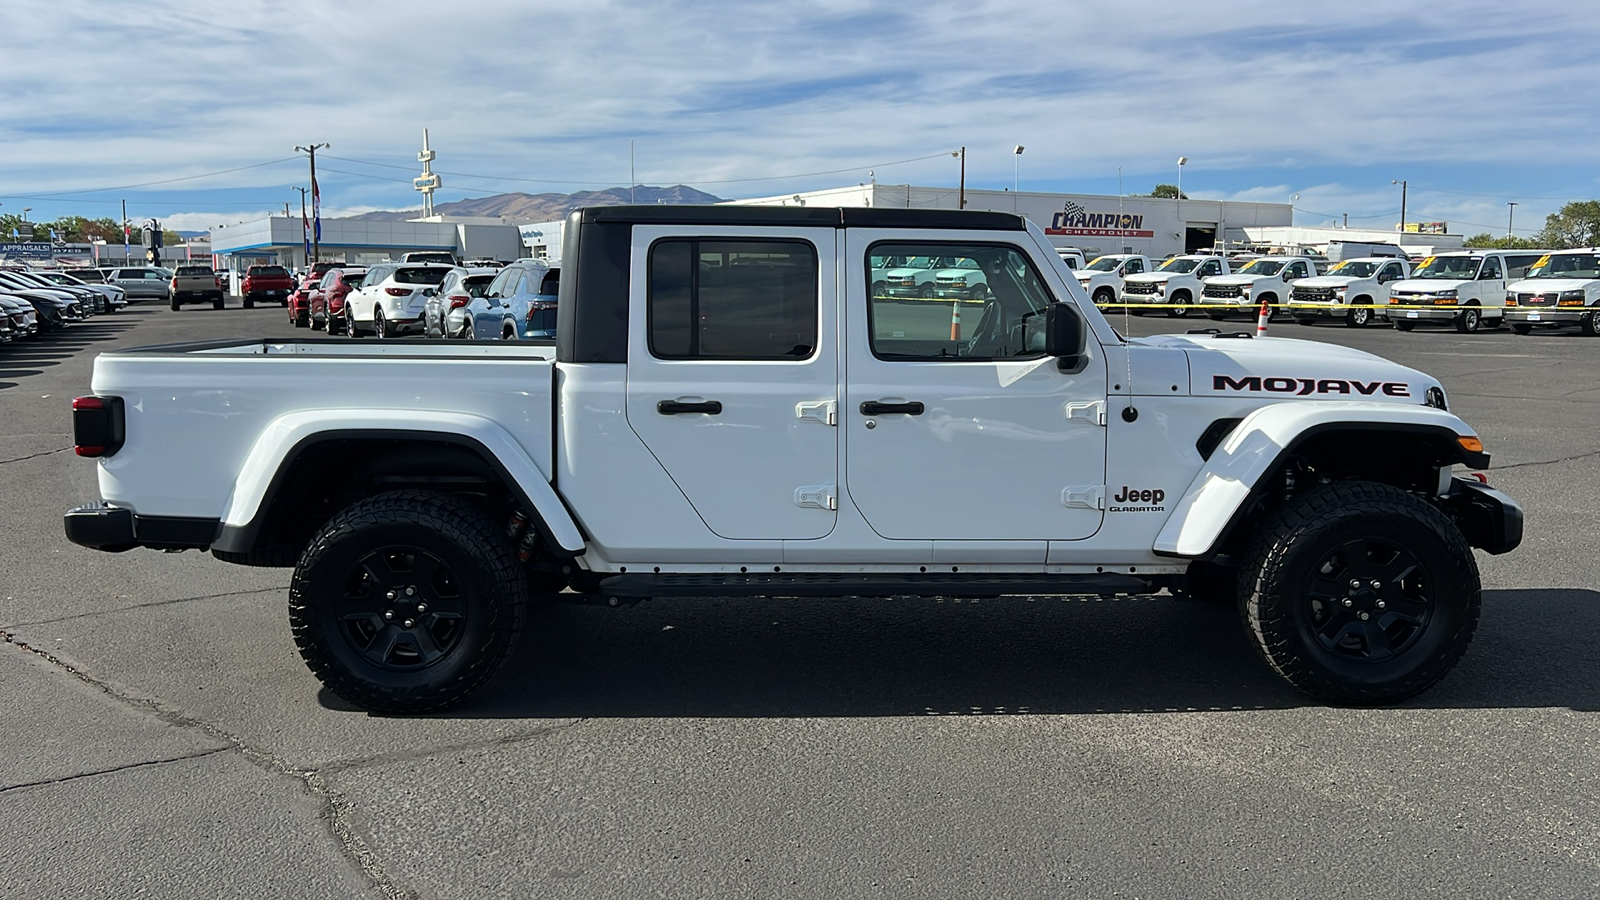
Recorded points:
(674, 407)
(880, 408)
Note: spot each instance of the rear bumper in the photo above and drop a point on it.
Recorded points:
(101, 526)
(1488, 519)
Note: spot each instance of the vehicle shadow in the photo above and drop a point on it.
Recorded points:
(1011, 656)
(30, 356)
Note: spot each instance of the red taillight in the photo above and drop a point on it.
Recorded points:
(88, 403)
(458, 300)
(97, 425)
(398, 292)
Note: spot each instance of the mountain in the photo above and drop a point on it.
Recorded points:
(519, 207)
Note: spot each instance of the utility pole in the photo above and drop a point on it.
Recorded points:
(962, 195)
(1509, 215)
(316, 197)
(310, 257)
(125, 249)
(1402, 184)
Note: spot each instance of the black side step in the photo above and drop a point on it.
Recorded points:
(806, 584)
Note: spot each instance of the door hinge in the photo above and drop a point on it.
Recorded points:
(1084, 497)
(823, 412)
(1091, 411)
(816, 496)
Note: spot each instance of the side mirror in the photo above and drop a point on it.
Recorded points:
(1063, 333)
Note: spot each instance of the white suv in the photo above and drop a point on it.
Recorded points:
(392, 300)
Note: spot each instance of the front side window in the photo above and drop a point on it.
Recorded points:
(1212, 267)
(733, 299)
(1491, 268)
(1135, 267)
(994, 312)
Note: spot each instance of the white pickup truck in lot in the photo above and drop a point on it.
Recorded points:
(727, 411)
(1353, 290)
(1103, 277)
(1175, 285)
(1261, 280)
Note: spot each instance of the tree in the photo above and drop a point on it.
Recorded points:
(1576, 225)
(1168, 191)
(1502, 242)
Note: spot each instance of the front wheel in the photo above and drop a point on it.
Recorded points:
(1468, 320)
(407, 602)
(1179, 305)
(1358, 317)
(1104, 297)
(1360, 593)
(1590, 324)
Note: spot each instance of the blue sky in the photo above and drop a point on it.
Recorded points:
(1474, 104)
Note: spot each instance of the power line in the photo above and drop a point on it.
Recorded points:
(128, 187)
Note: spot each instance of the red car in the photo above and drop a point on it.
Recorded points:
(266, 283)
(300, 301)
(327, 299)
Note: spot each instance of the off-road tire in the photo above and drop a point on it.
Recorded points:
(1294, 576)
(335, 575)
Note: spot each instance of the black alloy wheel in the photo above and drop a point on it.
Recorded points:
(350, 328)
(1360, 593)
(407, 602)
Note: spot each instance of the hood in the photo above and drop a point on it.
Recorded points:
(1323, 281)
(1240, 279)
(902, 273)
(1428, 285)
(951, 273)
(1550, 285)
(1280, 368)
(1153, 277)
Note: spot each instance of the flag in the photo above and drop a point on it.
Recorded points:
(316, 209)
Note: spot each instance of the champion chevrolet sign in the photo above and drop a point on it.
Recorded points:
(1074, 219)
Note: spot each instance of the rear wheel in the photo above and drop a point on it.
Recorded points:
(407, 602)
(1522, 328)
(174, 304)
(1360, 593)
(1403, 325)
(249, 302)
(350, 329)
(380, 328)
(217, 301)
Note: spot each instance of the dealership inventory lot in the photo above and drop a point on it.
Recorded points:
(1011, 747)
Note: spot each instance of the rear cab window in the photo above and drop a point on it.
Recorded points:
(733, 299)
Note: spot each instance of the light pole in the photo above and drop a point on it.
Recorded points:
(1402, 184)
(1293, 199)
(1182, 160)
(25, 211)
(1016, 176)
(962, 191)
(316, 198)
(1509, 215)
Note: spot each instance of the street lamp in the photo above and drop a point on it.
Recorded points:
(962, 195)
(25, 211)
(316, 198)
(1181, 161)
(1293, 199)
(1402, 184)
(1509, 214)
(1016, 176)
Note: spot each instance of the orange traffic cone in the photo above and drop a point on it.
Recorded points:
(955, 321)
(1261, 320)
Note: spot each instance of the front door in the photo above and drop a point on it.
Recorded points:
(957, 426)
(733, 379)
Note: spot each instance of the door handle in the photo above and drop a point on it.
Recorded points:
(674, 407)
(880, 408)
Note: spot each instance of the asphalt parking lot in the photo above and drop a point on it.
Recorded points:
(162, 736)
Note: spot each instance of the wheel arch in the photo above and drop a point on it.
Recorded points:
(1256, 465)
(299, 474)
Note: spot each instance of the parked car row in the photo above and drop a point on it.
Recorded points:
(1467, 289)
(32, 301)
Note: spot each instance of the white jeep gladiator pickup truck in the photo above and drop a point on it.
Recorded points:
(1175, 285)
(727, 411)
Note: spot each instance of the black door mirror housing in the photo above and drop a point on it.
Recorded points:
(1063, 334)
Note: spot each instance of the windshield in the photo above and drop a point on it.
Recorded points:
(1566, 265)
(1454, 268)
(915, 262)
(1354, 269)
(1262, 267)
(1179, 265)
(1105, 263)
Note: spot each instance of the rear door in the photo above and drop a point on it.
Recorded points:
(957, 427)
(733, 376)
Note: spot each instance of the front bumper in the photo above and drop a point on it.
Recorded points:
(961, 293)
(1547, 315)
(1313, 309)
(1489, 519)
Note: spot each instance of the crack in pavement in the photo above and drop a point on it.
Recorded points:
(336, 809)
(153, 603)
(34, 455)
(505, 740)
(1547, 462)
(198, 754)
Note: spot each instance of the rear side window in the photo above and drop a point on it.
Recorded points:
(354, 281)
(420, 276)
(476, 285)
(731, 299)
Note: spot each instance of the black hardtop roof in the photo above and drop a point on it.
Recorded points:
(802, 216)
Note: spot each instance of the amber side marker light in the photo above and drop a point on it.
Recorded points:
(1469, 443)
